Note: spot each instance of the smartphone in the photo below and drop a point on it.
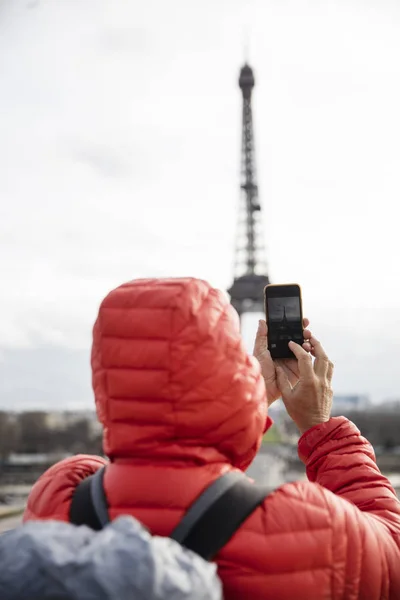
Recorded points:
(284, 316)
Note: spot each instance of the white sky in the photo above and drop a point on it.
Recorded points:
(119, 158)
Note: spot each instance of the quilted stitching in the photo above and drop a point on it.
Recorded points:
(209, 374)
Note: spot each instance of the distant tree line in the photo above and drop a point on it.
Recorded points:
(30, 433)
(381, 428)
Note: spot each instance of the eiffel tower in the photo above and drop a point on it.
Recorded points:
(284, 323)
(250, 274)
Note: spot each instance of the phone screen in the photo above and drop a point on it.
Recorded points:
(284, 318)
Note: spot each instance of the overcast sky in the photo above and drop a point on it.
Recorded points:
(119, 158)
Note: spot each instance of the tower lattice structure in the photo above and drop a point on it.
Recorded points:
(250, 275)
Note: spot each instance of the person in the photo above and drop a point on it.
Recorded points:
(181, 403)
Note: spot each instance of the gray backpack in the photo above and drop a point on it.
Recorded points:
(52, 560)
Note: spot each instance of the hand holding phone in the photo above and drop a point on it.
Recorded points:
(268, 365)
(285, 302)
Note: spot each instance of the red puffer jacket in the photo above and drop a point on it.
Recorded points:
(182, 403)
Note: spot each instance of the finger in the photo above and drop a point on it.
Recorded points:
(321, 363)
(307, 334)
(316, 344)
(308, 348)
(260, 343)
(306, 323)
(331, 368)
(283, 382)
(304, 360)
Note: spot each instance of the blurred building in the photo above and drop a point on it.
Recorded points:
(390, 406)
(343, 404)
(65, 419)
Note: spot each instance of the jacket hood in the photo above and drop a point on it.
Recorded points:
(171, 376)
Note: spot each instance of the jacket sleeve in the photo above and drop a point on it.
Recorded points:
(51, 495)
(338, 458)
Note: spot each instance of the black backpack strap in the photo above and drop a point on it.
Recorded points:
(219, 511)
(207, 526)
(89, 503)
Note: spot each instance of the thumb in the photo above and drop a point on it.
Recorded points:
(260, 343)
(283, 382)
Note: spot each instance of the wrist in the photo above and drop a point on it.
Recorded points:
(309, 424)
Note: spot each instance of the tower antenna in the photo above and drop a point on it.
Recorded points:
(246, 45)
